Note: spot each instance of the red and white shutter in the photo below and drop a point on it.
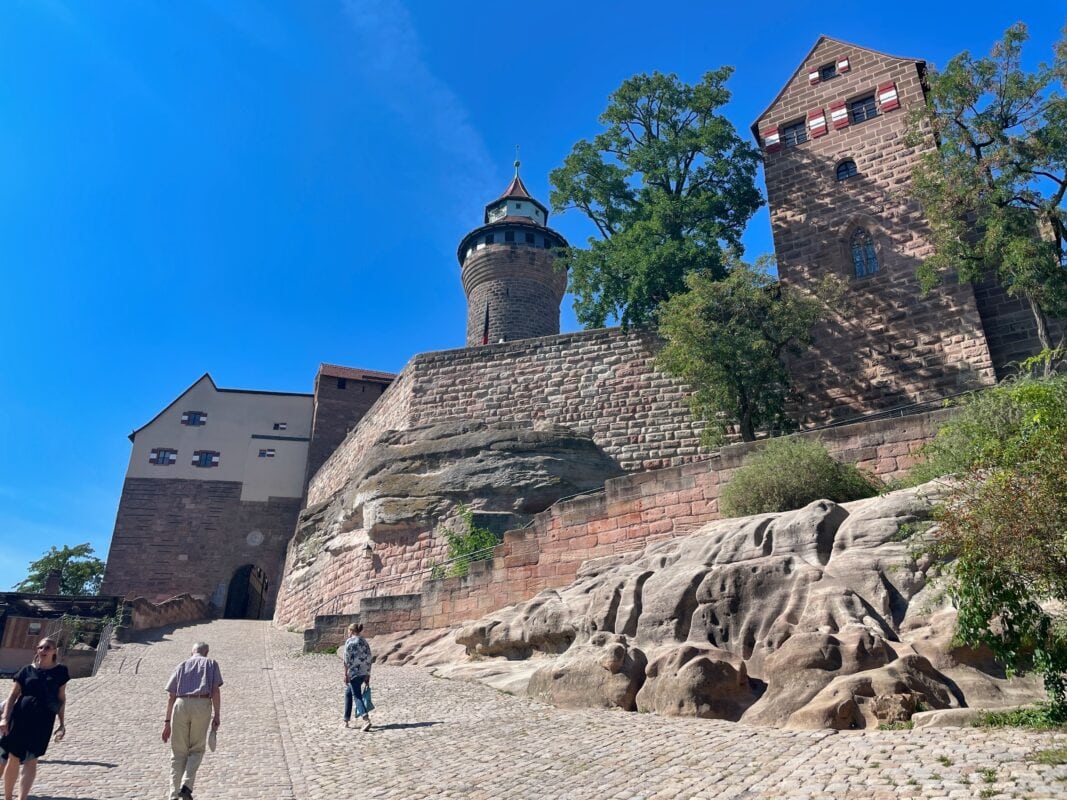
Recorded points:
(817, 123)
(887, 96)
(772, 140)
(813, 77)
(838, 115)
(842, 64)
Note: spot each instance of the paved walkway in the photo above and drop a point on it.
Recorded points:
(281, 738)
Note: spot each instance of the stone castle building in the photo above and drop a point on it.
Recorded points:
(215, 486)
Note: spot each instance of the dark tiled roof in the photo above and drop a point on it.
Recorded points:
(355, 373)
(516, 189)
(47, 606)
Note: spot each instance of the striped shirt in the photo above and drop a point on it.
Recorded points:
(197, 676)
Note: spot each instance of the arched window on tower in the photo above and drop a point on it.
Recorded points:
(846, 169)
(864, 259)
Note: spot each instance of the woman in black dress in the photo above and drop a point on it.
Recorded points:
(37, 698)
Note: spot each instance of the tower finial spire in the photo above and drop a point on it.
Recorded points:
(517, 162)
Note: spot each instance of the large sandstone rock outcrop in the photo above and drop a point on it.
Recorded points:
(820, 617)
(411, 483)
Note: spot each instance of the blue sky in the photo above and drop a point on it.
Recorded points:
(249, 188)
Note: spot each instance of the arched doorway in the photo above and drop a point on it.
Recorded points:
(247, 597)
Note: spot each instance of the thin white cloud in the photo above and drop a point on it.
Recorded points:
(391, 57)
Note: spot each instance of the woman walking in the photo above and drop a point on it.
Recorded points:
(37, 698)
(357, 657)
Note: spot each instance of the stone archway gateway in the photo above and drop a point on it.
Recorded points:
(247, 595)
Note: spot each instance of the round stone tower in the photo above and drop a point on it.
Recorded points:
(513, 288)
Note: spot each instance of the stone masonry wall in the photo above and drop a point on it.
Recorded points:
(887, 345)
(1010, 327)
(632, 511)
(338, 411)
(600, 383)
(187, 536)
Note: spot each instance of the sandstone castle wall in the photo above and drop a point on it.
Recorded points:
(631, 512)
(601, 383)
(176, 536)
(888, 344)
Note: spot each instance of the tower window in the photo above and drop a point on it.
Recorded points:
(163, 456)
(268, 453)
(509, 236)
(529, 238)
(846, 169)
(548, 243)
(794, 134)
(194, 418)
(281, 426)
(864, 259)
(342, 383)
(862, 109)
(827, 71)
(489, 238)
(206, 458)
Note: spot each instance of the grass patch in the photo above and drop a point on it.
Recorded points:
(1042, 718)
(989, 775)
(1054, 757)
(944, 761)
(905, 725)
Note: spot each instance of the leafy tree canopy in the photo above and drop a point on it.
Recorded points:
(994, 188)
(726, 338)
(80, 571)
(668, 184)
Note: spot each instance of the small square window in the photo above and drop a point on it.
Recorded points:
(33, 629)
(194, 418)
(548, 243)
(163, 456)
(529, 238)
(827, 71)
(342, 383)
(862, 109)
(489, 238)
(518, 206)
(281, 426)
(509, 236)
(268, 453)
(206, 458)
(795, 134)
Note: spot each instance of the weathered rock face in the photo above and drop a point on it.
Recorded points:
(820, 617)
(411, 483)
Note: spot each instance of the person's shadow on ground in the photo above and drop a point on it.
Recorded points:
(76, 764)
(399, 726)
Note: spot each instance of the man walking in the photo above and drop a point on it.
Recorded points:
(193, 694)
(357, 657)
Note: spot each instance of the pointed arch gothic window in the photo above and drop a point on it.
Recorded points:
(864, 258)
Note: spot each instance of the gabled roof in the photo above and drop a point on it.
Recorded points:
(207, 376)
(822, 38)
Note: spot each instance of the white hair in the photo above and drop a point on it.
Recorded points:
(200, 648)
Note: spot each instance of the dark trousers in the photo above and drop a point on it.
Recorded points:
(354, 693)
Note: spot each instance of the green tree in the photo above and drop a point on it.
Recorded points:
(1003, 525)
(669, 186)
(80, 571)
(726, 338)
(993, 190)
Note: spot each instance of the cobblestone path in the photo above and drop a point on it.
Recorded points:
(281, 738)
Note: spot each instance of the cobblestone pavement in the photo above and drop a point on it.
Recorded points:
(281, 738)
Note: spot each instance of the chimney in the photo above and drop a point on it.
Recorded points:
(53, 582)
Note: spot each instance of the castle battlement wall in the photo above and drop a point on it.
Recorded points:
(601, 383)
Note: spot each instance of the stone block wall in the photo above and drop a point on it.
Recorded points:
(1010, 328)
(186, 536)
(887, 344)
(517, 287)
(600, 383)
(342, 398)
(633, 511)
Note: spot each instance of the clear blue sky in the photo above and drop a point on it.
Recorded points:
(249, 188)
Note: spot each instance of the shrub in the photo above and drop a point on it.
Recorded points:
(468, 543)
(789, 473)
(1002, 525)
